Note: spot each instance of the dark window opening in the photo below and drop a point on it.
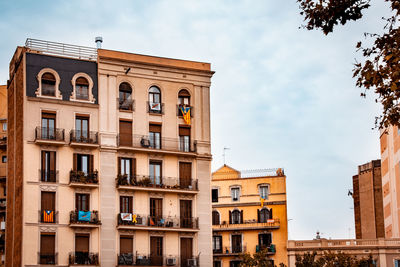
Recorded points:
(214, 195)
(82, 88)
(48, 84)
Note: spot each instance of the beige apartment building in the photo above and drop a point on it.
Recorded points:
(108, 158)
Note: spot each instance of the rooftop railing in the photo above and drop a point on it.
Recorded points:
(60, 49)
(232, 174)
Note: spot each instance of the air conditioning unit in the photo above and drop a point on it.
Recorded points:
(171, 261)
(192, 262)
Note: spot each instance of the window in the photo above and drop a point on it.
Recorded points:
(217, 244)
(236, 216)
(217, 264)
(235, 193)
(156, 209)
(47, 248)
(126, 168)
(264, 240)
(396, 263)
(155, 100)
(155, 136)
(48, 84)
(83, 163)
(215, 218)
(4, 126)
(125, 96)
(234, 263)
(185, 175)
(184, 139)
(126, 250)
(184, 98)
(125, 133)
(263, 191)
(82, 249)
(236, 243)
(82, 202)
(155, 172)
(156, 251)
(82, 129)
(186, 213)
(4, 159)
(48, 126)
(263, 215)
(125, 203)
(48, 170)
(48, 207)
(82, 88)
(214, 195)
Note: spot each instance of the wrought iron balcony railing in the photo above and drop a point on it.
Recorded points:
(84, 217)
(83, 258)
(48, 216)
(270, 223)
(158, 221)
(48, 176)
(162, 182)
(51, 134)
(271, 249)
(234, 249)
(86, 137)
(46, 258)
(85, 178)
(144, 141)
(126, 104)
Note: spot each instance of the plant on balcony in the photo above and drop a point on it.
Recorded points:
(259, 259)
(81, 176)
(146, 182)
(331, 259)
(122, 179)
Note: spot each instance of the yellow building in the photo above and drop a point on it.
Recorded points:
(249, 213)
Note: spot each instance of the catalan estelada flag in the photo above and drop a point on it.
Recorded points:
(186, 114)
(48, 216)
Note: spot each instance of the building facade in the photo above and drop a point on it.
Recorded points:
(109, 158)
(249, 214)
(368, 201)
(3, 168)
(385, 252)
(390, 171)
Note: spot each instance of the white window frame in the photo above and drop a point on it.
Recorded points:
(263, 186)
(234, 188)
(91, 98)
(56, 87)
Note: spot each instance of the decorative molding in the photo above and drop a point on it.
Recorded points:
(47, 229)
(185, 159)
(50, 188)
(126, 154)
(127, 232)
(83, 230)
(156, 195)
(186, 234)
(248, 204)
(156, 233)
(126, 192)
(185, 196)
(156, 156)
(82, 190)
(90, 88)
(57, 92)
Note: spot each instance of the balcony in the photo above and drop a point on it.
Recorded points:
(83, 258)
(231, 251)
(81, 179)
(49, 136)
(88, 219)
(179, 110)
(247, 225)
(271, 249)
(155, 108)
(126, 104)
(44, 258)
(162, 223)
(84, 139)
(3, 142)
(174, 146)
(48, 216)
(48, 176)
(163, 184)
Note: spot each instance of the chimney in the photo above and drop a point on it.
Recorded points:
(98, 41)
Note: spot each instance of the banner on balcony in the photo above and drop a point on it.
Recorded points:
(155, 106)
(262, 202)
(48, 216)
(84, 216)
(126, 216)
(186, 114)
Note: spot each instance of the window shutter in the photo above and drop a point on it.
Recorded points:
(43, 160)
(133, 168)
(119, 165)
(82, 243)
(126, 244)
(155, 128)
(230, 217)
(47, 244)
(184, 131)
(241, 216)
(53, 161)
(270, 213)
(75, 161)
(91, 164)
(258, 215)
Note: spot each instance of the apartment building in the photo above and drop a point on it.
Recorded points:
(368, 201)
(3, 166)
(109, 158)
(390, 171)
(249, 214)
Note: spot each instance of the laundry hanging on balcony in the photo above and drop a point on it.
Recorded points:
(48, 216)
(84, 216)
(186, 114)
(126, 216)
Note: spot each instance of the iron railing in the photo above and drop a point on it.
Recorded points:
(159, 221)
(74, 218)
(60, 49)
(48, 216)
(271, 248)
(85, 178)
(234, 249)
(45, 258)
(88, 137)
(277, 172)
(274, 223)
(83, 258)
(179, 111)
(52, 134)
(126, 104)
(157, 108)
(162, 182)
(48, 176)
(169, 144)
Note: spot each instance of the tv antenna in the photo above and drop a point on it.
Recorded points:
(225, 148)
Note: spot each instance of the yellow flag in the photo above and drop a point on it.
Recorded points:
(262, 202)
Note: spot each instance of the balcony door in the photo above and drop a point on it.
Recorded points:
(156, 250)
(48, 207)
(155, 211)
(185, 174)
(49, 126)
(81, 248)
(155, 172)
(82, 129)
(82, 202)
(186, 213)
(83, 163)
(186, 251)
(264, 240)
(48, 170)
(125, 133)
(47, 248)
(155, 136)
(237, 243)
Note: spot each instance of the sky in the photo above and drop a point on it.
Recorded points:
(281, 97)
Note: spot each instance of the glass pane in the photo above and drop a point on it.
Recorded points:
(85, 164)
(158, 173)
(151, 172)
(85, 130)
(157, 140)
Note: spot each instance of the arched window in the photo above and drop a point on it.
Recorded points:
(263, 215)
(82, 88)
(215, 217)
(48, 84)
(155, 100)
(236, 217)
(125, 96)
(184, 97)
